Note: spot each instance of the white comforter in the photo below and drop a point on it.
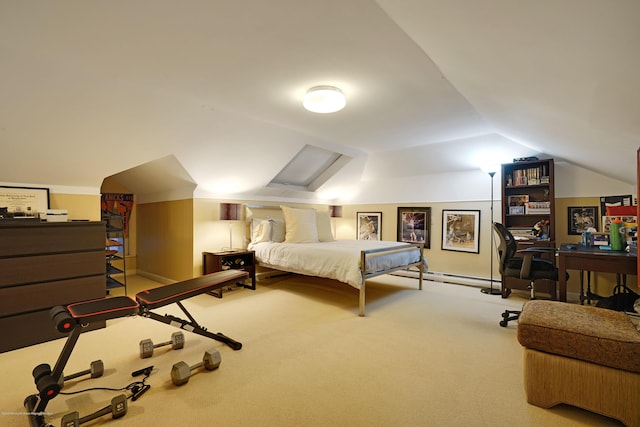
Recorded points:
(338, 260)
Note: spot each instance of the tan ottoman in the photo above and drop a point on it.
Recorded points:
(583, 356)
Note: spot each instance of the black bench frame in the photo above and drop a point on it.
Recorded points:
(73, 318)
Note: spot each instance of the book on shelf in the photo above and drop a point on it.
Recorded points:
(538, 208)
(518, 200)
(529, 176)
(521, 233)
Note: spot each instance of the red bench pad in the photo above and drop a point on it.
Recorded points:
(102, 309)
(168, 294)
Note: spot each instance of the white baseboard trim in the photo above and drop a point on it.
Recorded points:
(457, 279)
(154, 277)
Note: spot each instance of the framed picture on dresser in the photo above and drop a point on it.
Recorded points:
(23, 202)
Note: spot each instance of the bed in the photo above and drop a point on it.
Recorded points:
(300, 241)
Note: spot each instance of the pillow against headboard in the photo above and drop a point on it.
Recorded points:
(267, 230)
(260, 230)
(272, 230)
(300, 225)
(277, 229)
(323, 220)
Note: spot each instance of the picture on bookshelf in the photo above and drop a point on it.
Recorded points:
(581, 218)
(461, 230)
(517, 204)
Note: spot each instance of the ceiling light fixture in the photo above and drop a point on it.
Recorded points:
(324, 99)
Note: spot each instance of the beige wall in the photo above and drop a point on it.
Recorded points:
(169, 237)
(79, 206)
(165, 235)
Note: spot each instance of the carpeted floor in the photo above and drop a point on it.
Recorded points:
(435, 357)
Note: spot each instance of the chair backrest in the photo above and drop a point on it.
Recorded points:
(506, 245)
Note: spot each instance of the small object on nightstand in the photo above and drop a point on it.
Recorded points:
(230, 260)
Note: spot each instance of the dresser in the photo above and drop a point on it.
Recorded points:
(42, 265)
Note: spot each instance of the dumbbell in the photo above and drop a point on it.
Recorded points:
(117, 409)
(96, 370)
(147, 346)
(180, 372)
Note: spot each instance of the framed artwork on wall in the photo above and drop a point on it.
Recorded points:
(581, 218)
(461, 230)
(369, 225)
(19, 202)
(414, 225)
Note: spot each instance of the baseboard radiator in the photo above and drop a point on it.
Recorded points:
(457, 279)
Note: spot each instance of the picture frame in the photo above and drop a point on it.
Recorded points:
(368, 225)
(23, 202)
(608, 219)
(461, 230)
(581, 218)
(608, 201)
(414, 225)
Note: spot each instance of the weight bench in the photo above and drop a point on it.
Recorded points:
(75, 317)
(176, 292)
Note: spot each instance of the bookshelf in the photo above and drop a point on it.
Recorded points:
(528, 200)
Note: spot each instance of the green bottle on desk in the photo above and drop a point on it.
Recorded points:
(616, 238)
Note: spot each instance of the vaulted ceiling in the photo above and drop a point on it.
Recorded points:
(93, 88)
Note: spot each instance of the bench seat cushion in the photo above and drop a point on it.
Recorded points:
(592, 334)
(103, 309)
(174, 292)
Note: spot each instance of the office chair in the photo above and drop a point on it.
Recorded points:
(522, 264)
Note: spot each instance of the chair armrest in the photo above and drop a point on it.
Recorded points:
(538, 249)
(525, 269)
(527, 259)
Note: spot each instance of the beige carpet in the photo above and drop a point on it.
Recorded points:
(435, 357)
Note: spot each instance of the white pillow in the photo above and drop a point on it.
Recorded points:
(323, 220)
(267, 230)
(277, 230)
(300, 225)
(260, 230)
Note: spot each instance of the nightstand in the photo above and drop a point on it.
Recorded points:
(225, 260)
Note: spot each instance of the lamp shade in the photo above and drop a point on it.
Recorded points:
(490, 168)
(324, 99)
(336, 211)
(230, 211)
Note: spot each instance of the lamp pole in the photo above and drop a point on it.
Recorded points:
(490, 290)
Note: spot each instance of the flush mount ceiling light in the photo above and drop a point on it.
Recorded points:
(324, 99)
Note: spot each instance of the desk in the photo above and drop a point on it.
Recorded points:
(592, 259)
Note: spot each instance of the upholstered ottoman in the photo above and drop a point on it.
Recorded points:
(583, 356)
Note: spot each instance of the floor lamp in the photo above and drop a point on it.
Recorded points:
(230, 212)
(490, 290)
